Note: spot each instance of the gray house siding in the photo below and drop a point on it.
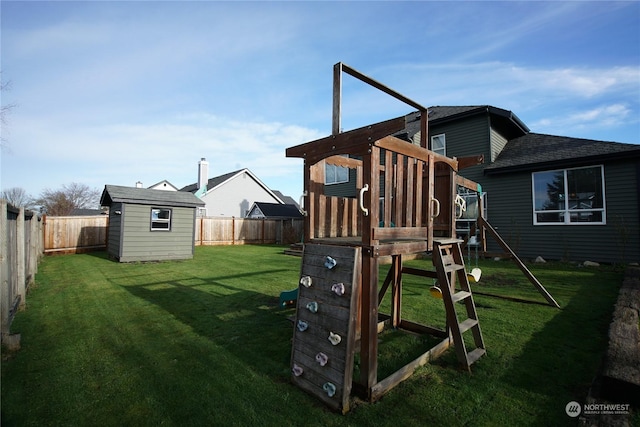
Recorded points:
(510, 210)
(139, 243)
(468, 137)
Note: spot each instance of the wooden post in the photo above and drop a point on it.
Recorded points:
(396, 291)
(4, 269)
(20, 255)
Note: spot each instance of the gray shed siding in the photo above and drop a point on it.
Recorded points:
(139, 243)
(510, 210)
(114, 237)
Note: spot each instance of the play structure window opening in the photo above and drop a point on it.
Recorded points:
(335, 174)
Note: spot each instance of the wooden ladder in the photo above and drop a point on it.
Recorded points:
(449, 263)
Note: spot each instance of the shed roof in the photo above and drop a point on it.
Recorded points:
(145, 196)
(537, 151)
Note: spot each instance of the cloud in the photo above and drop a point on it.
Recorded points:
(604, 116)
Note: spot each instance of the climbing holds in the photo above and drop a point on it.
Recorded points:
(329, 262)
(305, 281)
(312, 307)
(322, 358)
(338, 288)
(302, 325)
(329, 388)
(334, 338)
(297, 370)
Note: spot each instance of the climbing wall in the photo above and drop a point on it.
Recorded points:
(325, 324)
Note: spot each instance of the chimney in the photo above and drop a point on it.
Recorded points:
(139, 184)
(203, 173)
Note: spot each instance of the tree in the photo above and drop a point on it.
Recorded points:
(18, 197)
(73, 196)
(4, 111)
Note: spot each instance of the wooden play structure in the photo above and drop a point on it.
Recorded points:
(403, 204)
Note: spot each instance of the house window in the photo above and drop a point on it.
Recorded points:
(160, 219)
(335, 174)
(569, 196)
(438, 144)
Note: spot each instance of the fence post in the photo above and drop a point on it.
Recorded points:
(4, 270)
(20, 256)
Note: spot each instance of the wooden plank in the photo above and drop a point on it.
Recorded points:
(405, 372)
(419, 190)
(357, 141)
(388, 187)
(408, 222)
(483, 223)
(467, 183)
(403, 147)
(468, 161)
(345, 162)
(398, 233)
(329, 314)
(399, 191)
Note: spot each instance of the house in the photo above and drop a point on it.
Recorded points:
(149, 225)
(231, 194)
(163, 185)
(550, 196)
(274, 211)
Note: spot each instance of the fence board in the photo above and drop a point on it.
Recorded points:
(72, 234)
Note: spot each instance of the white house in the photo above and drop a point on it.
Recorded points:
(231, 194)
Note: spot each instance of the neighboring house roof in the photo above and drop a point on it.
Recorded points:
(276, 210)
(537, 151)
(145, 196)
(87, 212)
(286, 199)
(220, 180)
(163, 185)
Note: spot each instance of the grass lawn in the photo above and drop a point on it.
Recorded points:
(202, 342)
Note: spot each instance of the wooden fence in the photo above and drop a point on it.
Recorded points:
(75, 234)
(20, 250)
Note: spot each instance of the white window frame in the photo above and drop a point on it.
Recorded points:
(443, 149)
(157, 220)
(567, 211)
(332, 171)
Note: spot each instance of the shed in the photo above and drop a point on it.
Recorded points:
(150, 225)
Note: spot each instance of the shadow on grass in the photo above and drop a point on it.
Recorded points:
(245, 322)
(561, 359)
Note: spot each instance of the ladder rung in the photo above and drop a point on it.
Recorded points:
(447, 241)
(458, 296)
(453, 267)
(468, 324)
(475, 355)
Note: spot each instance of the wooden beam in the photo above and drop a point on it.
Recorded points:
(371, 82)
(403, 147)
(357, 141)
(346, 162)
(336, 123)
(467, 183)
(483, 223)
(466, 162)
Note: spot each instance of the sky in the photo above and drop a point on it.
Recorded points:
(117, 92)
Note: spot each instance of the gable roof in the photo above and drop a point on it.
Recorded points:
(145, 196)
(219, 180)
(164, 183)
(503, 120)
(276, 210)
(537, 151)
